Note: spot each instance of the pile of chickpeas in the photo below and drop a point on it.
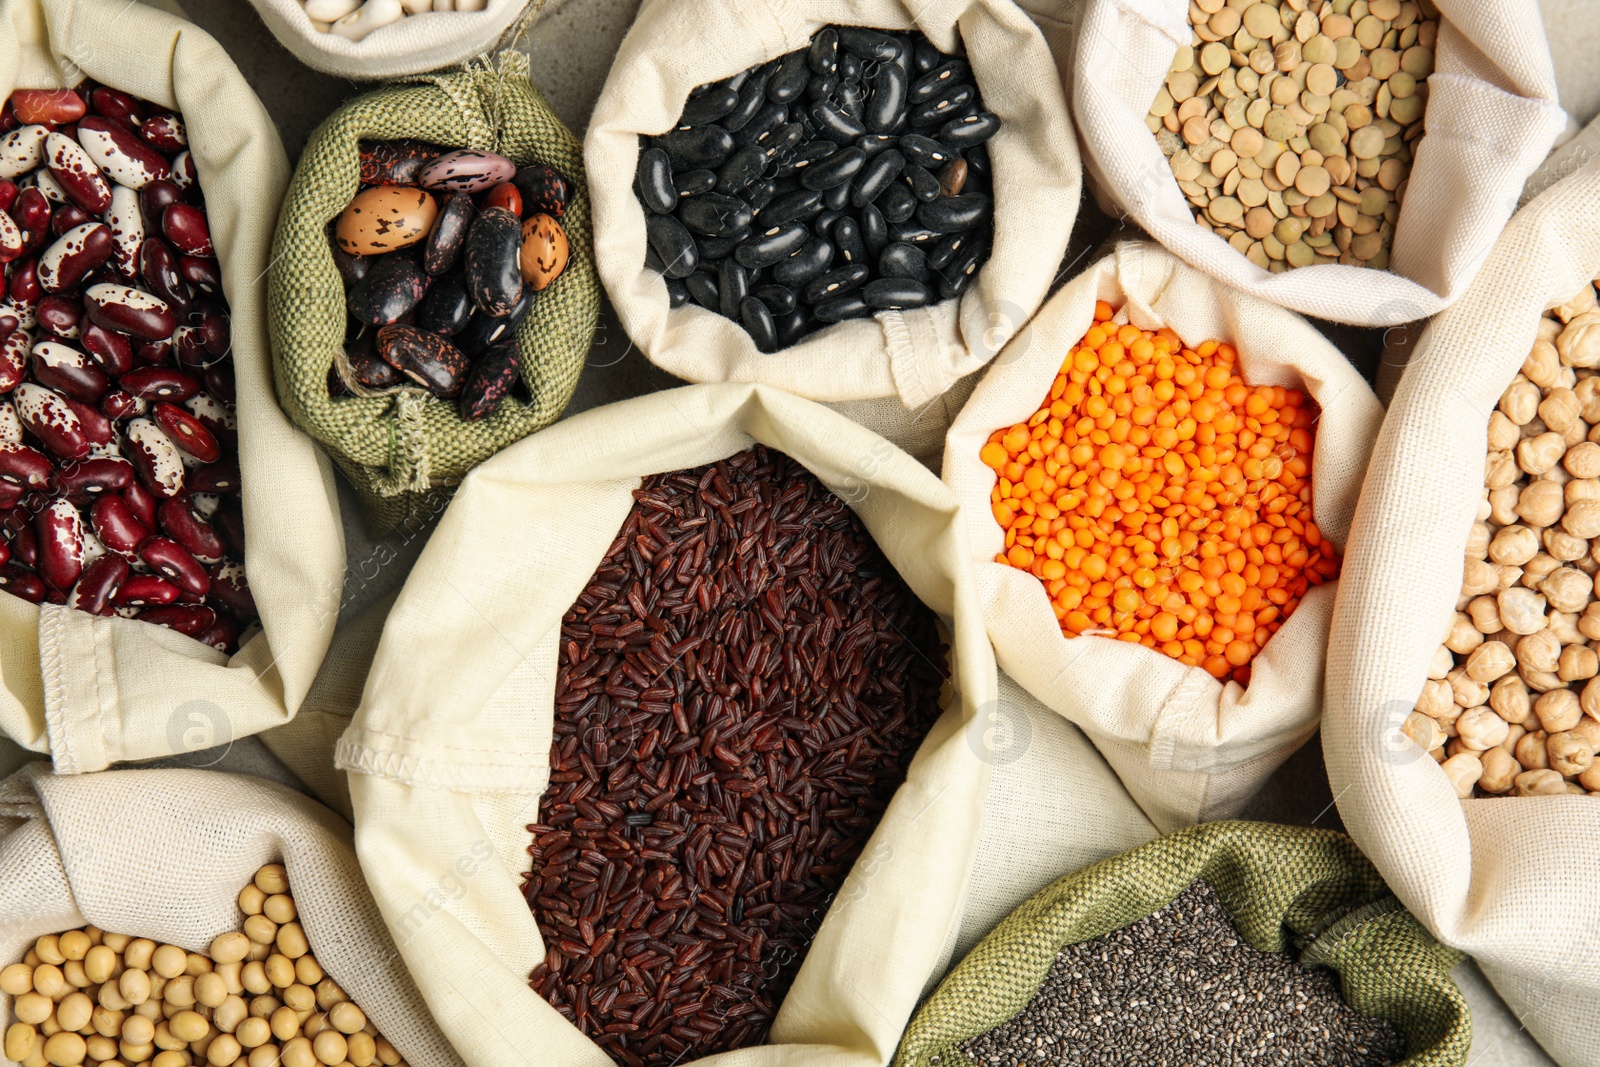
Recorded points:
(1512, 702)
(257, 997)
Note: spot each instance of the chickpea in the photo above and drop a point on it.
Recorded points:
(1535, 455)
(1520, 401)
(1489, 662)
(1589, 730)
(1484, 508)
(1515, 545)
(1582, 519)
(1506, 577)
(1423, 730)
(1569, 754)
(1500, 470)
(1531, 752)
(1485, 613)
(1583, 300)
(1521, 610)
(1443, 663)
(1509, 698)
(1467, 691)
(1558, 711)
(1503, 433)
(1463, 770)
(1499, 771)
(1479, 577)
(1540, 504)
(1539, 782)
(1578, 663)
(1561, 547)
(1542, 364)
(1579, 344)
(1539, 652)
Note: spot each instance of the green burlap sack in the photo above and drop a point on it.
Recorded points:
(403, 445)
(1285, 887)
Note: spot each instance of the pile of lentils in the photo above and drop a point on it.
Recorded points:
(119, 470)
(256, 997)
(1182, 987)
(1291, 124)
(840, 180)
(1512, 701)
(742, 686)
(442, 253)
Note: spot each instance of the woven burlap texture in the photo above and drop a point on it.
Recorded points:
(398, 448)
(163, 854)
(1283, 886)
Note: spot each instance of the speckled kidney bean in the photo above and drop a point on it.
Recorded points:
(176, 564)
(97, 587)
(26, 467)
(73, 255)
(60, 533)
(191, 620)
(120, 154)
(203, 273)
(116, 105)
(13, 360)
(185, 226)
(158, 268)
(46, 414)
(117, 526)
(113, 351)
(129, 310)
(97, 475)
(76, 173)
(61, 316)
(165, 132)
(69, 372)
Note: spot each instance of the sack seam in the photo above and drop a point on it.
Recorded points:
(412, 770)
(52, 671)
(1179, 37)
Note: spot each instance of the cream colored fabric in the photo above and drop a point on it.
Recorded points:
(452, 742)
(163, 854)
(411, 45)
(1509, 880)
(913, 356)
(1491, 118)
(1188, 748)
(118, 689)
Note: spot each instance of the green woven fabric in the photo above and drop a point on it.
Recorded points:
(1284, 887)
(399, 448)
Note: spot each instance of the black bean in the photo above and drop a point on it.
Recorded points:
(783, 139)
(941, 107)
(924, 186)
(715, 215)
(773, 246)
(714, 248)
(913, 233)
(792, 326)
(869, 44)
(898, 203)
(805, 155)
(822, 225)
(836, 283)
(877, 176)
(834, 170)
(760, 194)
(901, 260)
(876, 143)
(486, 330)
(780, 299)
(701, 146)
(953, 214)
(926, 57)
(839, 308)
(888, 98)
(958, 274)
(897, 293)
(823, 55)
(808, 263)
(874, 230)
(834, 124)
(792, 207)
(852, 99)
(758, 323)
(712, 104)
(847, 237)
(652, 258)
(850, 68)
(837, 198)
(942, 250)
(733, 285)
(925, 151)
(673, 245)
(694, 182)
(789, 81)
(447, 308)
(967, 132)
(933, 83)
(677, 293)
(703, 290)
(752, 97)
(655, 181)
(743, 167)
(822, 86)
(762, 125)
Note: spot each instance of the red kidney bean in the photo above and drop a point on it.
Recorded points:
(61, 315)
(97, 588)
(25, 542)
(8, 193)
(191, 620)
(187, 432)
(141, 503)
(222, 635)
(118, 307)
(202, 273)
(158, 266)
(189, 346)
(118, 404)
(160, 383)
(24, 284)
(66, 217)
(46, 414)
(153, 353)
(153, 201)
(229, 522)
(21, 582)
(47, 105)
(112, 350)
(13, 360)
(97, 476)
(179, 522)
(69, 372)
(219, 477)
(165, 132)
(142, 590)
(185, 226)
(219, 381)
(155, 456)
(118, 528)
(120, 154)
(60, 530)
(76, 173)
(117, 106)
(27, 467)
(9, 323)
(176, 564)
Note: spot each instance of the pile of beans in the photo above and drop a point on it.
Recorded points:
(1512, 701)
(1291, 124)
(836, 181)
(1161, 500)
(1182, 987)
(742, 686)
(442, 253)
(87, 996)
(119, 476)
(357, 18)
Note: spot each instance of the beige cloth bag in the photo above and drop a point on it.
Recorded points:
(452, 740)
(1188, 748)
(163, 854)
(1491, 118)
(90, 691)
(1509, 881)
(411, 45)
(913, 356)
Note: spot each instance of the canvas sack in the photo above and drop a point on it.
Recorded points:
(411, 45)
